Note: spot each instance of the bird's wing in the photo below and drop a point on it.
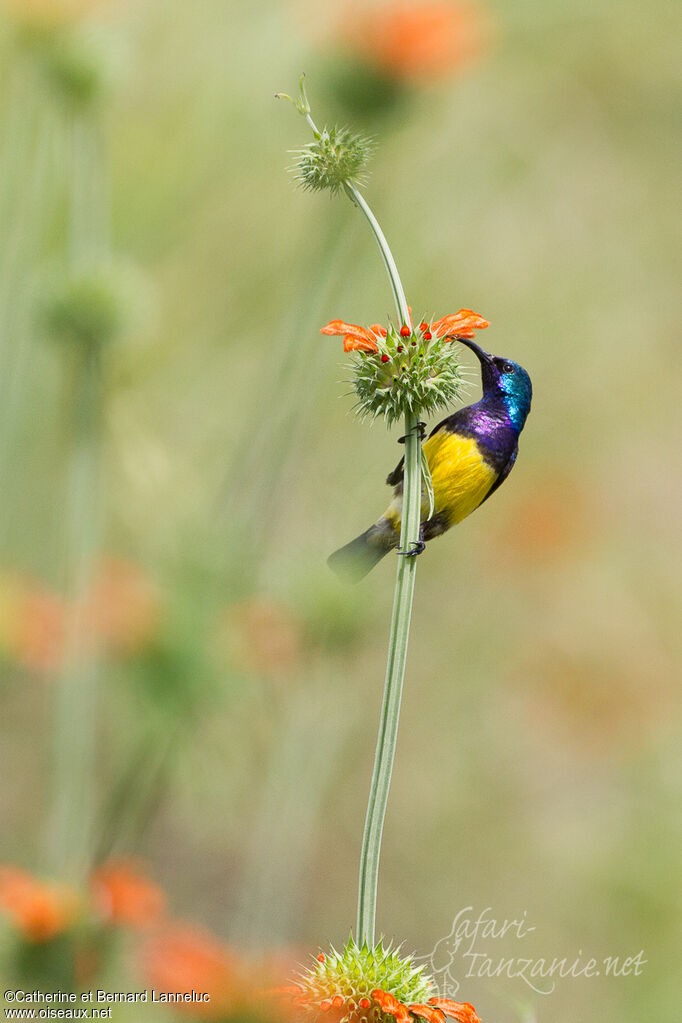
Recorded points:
(503, 475)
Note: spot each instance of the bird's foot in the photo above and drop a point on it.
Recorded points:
(416, 547)
(420, 428)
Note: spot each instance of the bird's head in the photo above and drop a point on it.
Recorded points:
(505, 380)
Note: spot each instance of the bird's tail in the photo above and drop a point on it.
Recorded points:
(359, 557)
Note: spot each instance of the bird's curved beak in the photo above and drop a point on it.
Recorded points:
(483, 357)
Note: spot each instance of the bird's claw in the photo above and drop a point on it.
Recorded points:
(416, 548)
(420, 428)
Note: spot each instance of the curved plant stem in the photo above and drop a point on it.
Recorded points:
(400, 625)
(402, 600)
(386, 254)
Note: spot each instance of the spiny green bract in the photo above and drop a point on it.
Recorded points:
(356, 971)
(336, 156)
(416, 376)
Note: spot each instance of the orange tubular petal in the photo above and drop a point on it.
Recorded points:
(353, 344)
(428, 1012)
(376, 328)
(341, 328)
(464, 323)
(390, 1004)
(463, 1012)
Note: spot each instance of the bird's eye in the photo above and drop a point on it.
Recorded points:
(506, 367)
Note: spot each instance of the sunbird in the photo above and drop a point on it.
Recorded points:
(470, 454)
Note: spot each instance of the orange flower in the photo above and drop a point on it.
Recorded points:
(389, 1003)
(186, 959)
(416, 40)
(32, 624)
(463, 1012)
(261, 636)
(368, 339)
(435, 1012)
(38, 909)
(356, 339)
(465, 323)
(123, 606)
(125, 896)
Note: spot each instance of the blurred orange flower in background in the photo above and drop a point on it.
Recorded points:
(184, 958)
(125, 896)
(123, 607)
(38, 909)
(415, 40)
(32, 624)
(122, 610)
(550, 519)
(262, 636)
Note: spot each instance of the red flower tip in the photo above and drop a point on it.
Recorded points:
(337, 1001)
(423, 325)
(364, 1003)
(405, 331)
(326, 1005)
(463, 1012)
(427, 335)
(385, 358)
(321, 958)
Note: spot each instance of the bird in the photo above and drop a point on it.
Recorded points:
(470, 454)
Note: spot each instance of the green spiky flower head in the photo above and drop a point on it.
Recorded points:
(408, 369)
(342, 983)
(337, 157)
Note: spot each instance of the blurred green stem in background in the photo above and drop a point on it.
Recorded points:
(76, 693)
(27, 137)
(75, 724)
(319, 173)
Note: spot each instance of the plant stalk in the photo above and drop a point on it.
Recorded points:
(393, 688)
(402, 602)
(400, 624)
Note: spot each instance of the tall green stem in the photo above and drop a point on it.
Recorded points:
(400, 626)
(402, 602)
(393, 688)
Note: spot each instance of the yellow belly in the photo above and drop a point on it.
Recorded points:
(461, 479)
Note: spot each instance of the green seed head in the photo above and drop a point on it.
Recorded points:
(335, 157)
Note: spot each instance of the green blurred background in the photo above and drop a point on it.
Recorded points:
(538, 766)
